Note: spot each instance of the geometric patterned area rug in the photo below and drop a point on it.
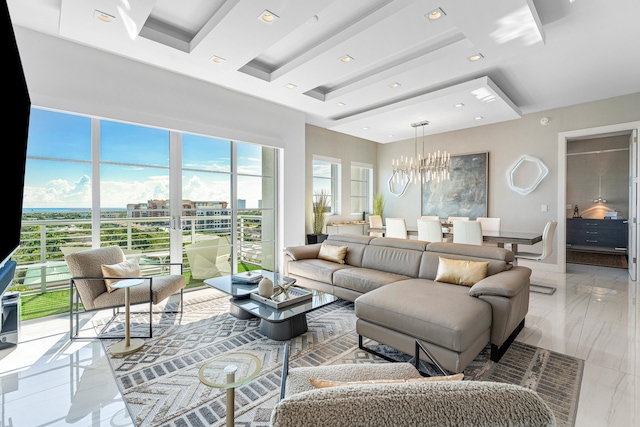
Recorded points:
(160, 382)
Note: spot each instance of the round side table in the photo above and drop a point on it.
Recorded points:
(127, 345)
(228, 371)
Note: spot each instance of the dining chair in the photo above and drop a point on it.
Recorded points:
(429, 230)
(430, 217)
(547, 249)
(375, 221)
(457, 218)
(396, 227)
(547, 244)
(469, 232)
(489, 224)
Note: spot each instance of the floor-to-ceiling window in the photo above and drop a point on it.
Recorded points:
(93, 182)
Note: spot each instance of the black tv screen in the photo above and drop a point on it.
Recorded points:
(12, 162)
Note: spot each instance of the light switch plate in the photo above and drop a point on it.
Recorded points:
(544, 208)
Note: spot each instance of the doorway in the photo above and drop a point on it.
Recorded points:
(577, 143)
(597, 208)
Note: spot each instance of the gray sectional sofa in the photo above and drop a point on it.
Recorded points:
(398, 301)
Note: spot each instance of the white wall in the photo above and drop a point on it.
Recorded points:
(506, 143)
(70, 77)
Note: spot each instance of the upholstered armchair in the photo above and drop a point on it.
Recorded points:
(89, 286)
(395, 394)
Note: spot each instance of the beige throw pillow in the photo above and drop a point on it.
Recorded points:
(328, 383)
(332, 253)
(461, 272)
(128, 268)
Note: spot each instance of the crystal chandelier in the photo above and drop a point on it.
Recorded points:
(434, 166)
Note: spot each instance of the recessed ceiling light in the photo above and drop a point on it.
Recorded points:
(346, 58)
(290, 86)
(394, 85)
(267, 17)
(458, 105)
(217, 59)
(478, 118)
(365, 128)
(476, 57)
(435, 14)
(104, 17)
(341, 104)
(390, 136)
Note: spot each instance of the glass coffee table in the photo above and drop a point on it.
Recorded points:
(280, 324)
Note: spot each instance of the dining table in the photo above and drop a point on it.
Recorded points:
(514, 238)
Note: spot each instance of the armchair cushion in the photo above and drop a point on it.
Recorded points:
(89, 264)
(86, 270)
(128, 268)
(316, 383)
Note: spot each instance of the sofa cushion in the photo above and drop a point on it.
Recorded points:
(315, 269)
(393, 260)
(364, 279)
(435, 312)
(461, 272)
(474, 251)
(430, 261)
(355, 246)
(389, 242)
(332, 253)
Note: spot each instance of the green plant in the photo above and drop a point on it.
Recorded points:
(378, 204)
(320, 208)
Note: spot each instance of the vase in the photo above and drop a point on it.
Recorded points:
(316, 238)
(265, 287)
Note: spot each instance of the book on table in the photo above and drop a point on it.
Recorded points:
(247, 277)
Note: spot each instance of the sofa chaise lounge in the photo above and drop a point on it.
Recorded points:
(398, 300)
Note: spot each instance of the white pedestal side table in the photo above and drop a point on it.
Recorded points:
(127, 345)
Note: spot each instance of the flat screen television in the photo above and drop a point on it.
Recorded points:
(13, 159)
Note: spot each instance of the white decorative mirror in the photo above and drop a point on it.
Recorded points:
(402, 185)
(526, 174)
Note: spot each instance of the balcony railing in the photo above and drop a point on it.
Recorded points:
(40, 259)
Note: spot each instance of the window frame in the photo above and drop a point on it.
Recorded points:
(368, 181)
(335, 188)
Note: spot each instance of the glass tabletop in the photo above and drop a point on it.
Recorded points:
(127, 283)
(242, 290)
(230, 370)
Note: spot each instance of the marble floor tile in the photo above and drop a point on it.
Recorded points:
(593, 314)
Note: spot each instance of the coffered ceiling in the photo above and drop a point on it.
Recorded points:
(400, 67)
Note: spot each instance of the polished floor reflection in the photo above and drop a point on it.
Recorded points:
(594, 315)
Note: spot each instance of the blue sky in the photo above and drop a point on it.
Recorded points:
(141, 171)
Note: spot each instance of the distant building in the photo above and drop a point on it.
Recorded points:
(242, 204)
(219, 221)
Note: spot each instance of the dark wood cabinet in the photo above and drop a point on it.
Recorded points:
(597, 235)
